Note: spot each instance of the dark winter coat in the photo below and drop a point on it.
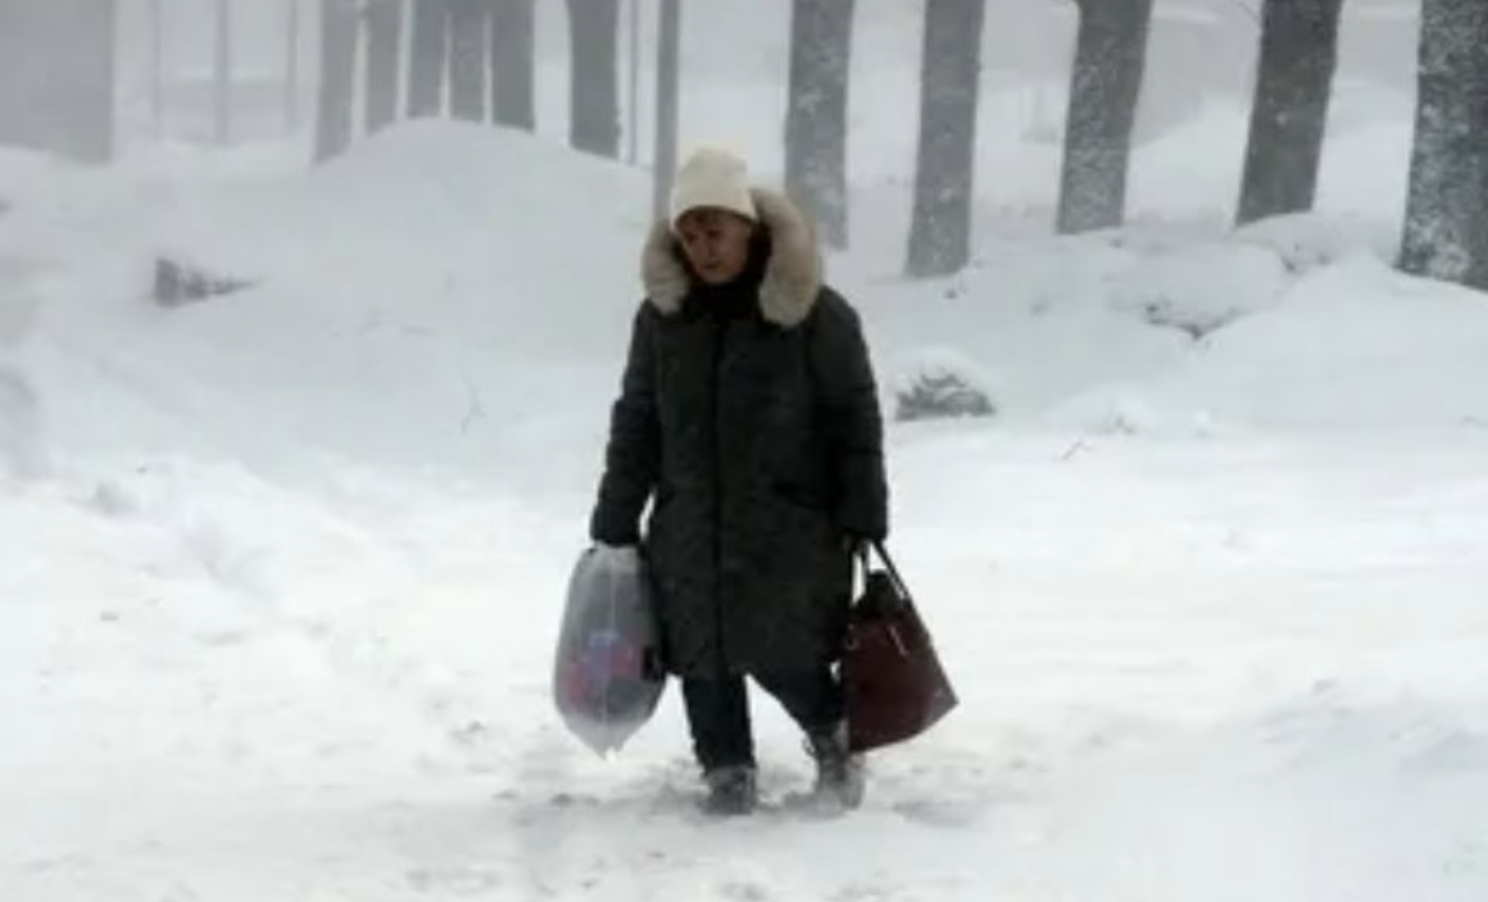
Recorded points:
(750, 411)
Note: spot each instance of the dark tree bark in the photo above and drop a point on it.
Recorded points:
(1446, 222)
(428, 58)
(57, 76)
(338, 41)
(512, 64)
(470, 25)
(594, 28)
(1110, 59)
(1289, 116)
(668, 79)
(816, 119)
(384, 61)
(945, 170)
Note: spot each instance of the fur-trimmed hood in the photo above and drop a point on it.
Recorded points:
(793, 275)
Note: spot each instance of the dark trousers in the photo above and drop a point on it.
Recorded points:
(718, 711)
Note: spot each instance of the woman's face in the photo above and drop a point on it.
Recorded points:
(716, 243)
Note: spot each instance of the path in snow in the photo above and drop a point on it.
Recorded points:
(1242, 670)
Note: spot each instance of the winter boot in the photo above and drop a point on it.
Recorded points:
(731, 790)
(840, 777)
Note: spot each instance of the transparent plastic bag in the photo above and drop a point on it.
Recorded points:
(607, 677)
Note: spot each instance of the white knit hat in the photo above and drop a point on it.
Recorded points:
(713, 177)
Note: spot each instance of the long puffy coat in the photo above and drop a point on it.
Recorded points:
(749, 417)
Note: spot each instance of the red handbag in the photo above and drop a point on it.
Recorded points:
(895, 685)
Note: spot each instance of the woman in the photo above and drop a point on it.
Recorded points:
(749, 411)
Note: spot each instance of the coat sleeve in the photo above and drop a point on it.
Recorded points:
(633, 453)
(848, 411)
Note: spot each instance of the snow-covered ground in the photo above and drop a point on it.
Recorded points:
(282, 571)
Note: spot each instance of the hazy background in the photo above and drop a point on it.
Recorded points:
(1198, 49)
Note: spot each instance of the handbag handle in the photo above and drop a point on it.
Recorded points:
(883, 555)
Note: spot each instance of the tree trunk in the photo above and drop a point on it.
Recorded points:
(512, 64)
(469, 26)
(95, 43)
(292, 68)
(57, 76)
(816, 118)
(1289, 116)
(222, 80)
(594, 28)
(1109, 62)
(633, 84)
(157, 69)
(668, 80)
(940, 235)
(1446, 224)
(338, 42)
(384, 61)
(428, 58)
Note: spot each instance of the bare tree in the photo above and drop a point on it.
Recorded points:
(668, 79)
(469, 27)
(384, 61)
(1110, 58)
(292, 67)
(594, 29)
(222, 68)
(157, 69)
(512, 64)
(633, 84)
(338, 41)
(940, 234)
(1446, 224)
(428, 58)
(816, 118)
(57, 76)
(1289, 116)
